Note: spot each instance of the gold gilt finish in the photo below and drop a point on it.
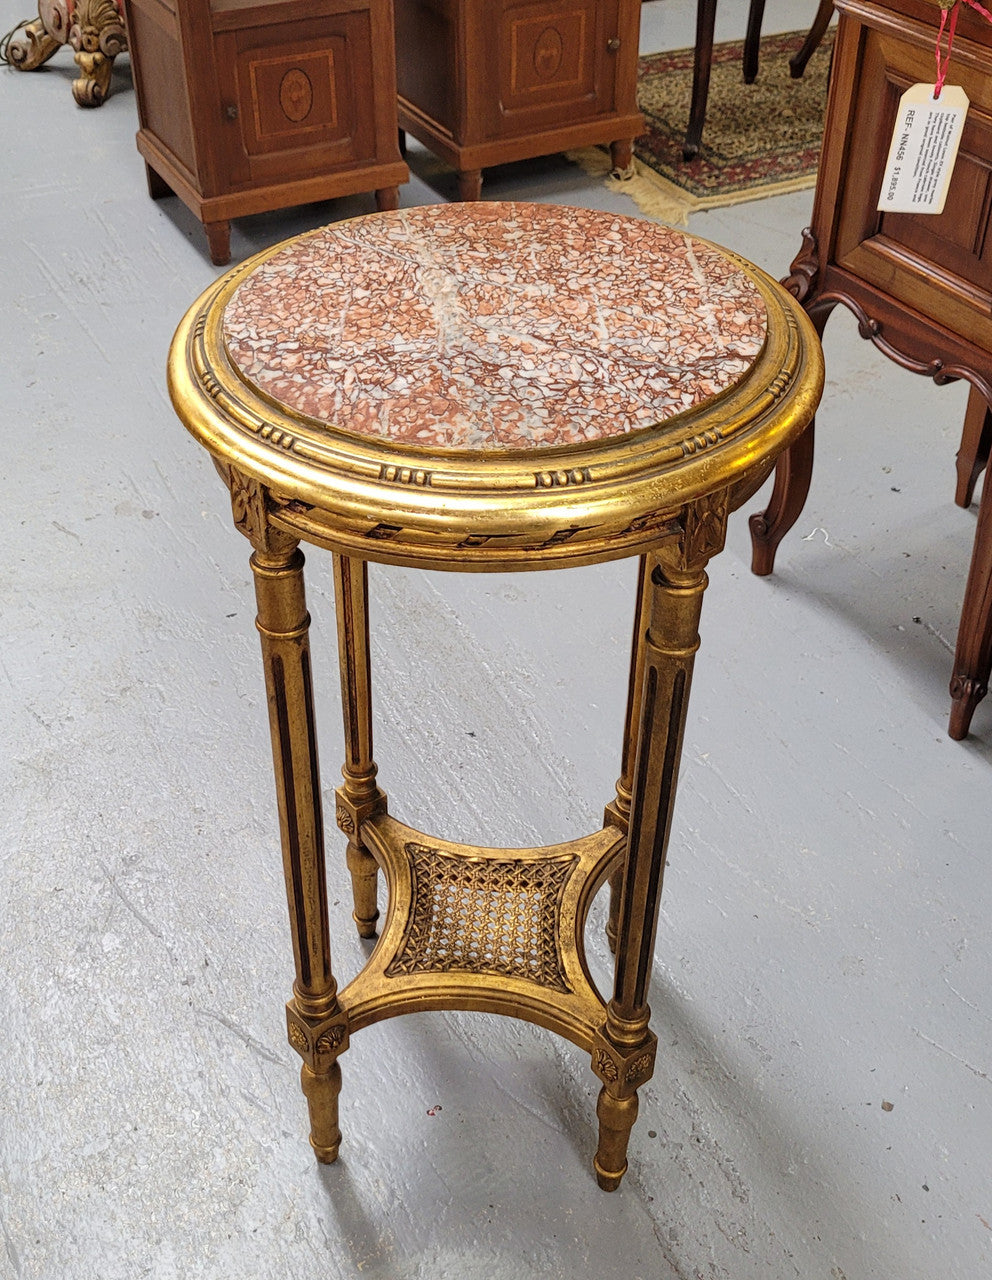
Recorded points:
(475, 928)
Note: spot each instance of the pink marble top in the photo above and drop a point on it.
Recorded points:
(494, 326)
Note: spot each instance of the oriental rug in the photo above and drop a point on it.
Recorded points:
(759, 139)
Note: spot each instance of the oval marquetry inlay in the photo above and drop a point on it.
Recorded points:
(548, 53)
(296, 95)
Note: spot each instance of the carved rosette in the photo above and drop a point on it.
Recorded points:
(623, 1071)
(344, 820)
(350, 814)
(317, 1043)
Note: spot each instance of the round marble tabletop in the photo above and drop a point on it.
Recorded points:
(492, 386)
(486, 326)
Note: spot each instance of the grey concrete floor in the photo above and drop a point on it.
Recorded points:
(823, 943)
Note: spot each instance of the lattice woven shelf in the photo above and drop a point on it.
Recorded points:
(484, 915)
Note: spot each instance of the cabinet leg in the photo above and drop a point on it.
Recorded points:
(976, 445)
(470, 184)
(973, 653)
(793, 474)
(158, 188)
(387, 198)
(219, 241)
(622, 157)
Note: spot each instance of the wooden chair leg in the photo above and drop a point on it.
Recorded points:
(702, 62)
(976, 445)
(752, 40)
(797, 63)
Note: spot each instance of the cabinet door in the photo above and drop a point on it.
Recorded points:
(939, 265)
(296, 94)
(547, 62)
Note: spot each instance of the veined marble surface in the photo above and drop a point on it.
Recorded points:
(495, 326)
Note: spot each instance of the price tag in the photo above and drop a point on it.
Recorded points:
(923, 150)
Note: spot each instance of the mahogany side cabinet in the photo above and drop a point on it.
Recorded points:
(251, 105)
(485, 82)
(920, 285)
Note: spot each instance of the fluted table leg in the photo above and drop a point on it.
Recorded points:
(618, 811)
(623, 1056)
(317, 1026)
(359, 797)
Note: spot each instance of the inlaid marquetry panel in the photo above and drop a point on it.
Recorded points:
(547, 53)
(295, 94)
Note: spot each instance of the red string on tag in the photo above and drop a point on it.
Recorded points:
(944, 61)
(973, 4)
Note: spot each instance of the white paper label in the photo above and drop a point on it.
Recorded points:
(924, 147)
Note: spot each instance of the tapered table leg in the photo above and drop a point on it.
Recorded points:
(618, 811)
(317, 1027)
(359, 797)
(624, 1058)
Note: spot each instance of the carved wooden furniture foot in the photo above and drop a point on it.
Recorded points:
(413, 452)
(918, 292)
(470, 184)
(94, 29)
(33, 44)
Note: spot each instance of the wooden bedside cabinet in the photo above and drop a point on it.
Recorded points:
(920, 285)
(484, 82)
(246, 106)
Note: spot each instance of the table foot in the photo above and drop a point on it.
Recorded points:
(616, 1119)
(33, 46)
(322, 1090)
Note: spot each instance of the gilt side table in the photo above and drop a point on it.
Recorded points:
(487, 387)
